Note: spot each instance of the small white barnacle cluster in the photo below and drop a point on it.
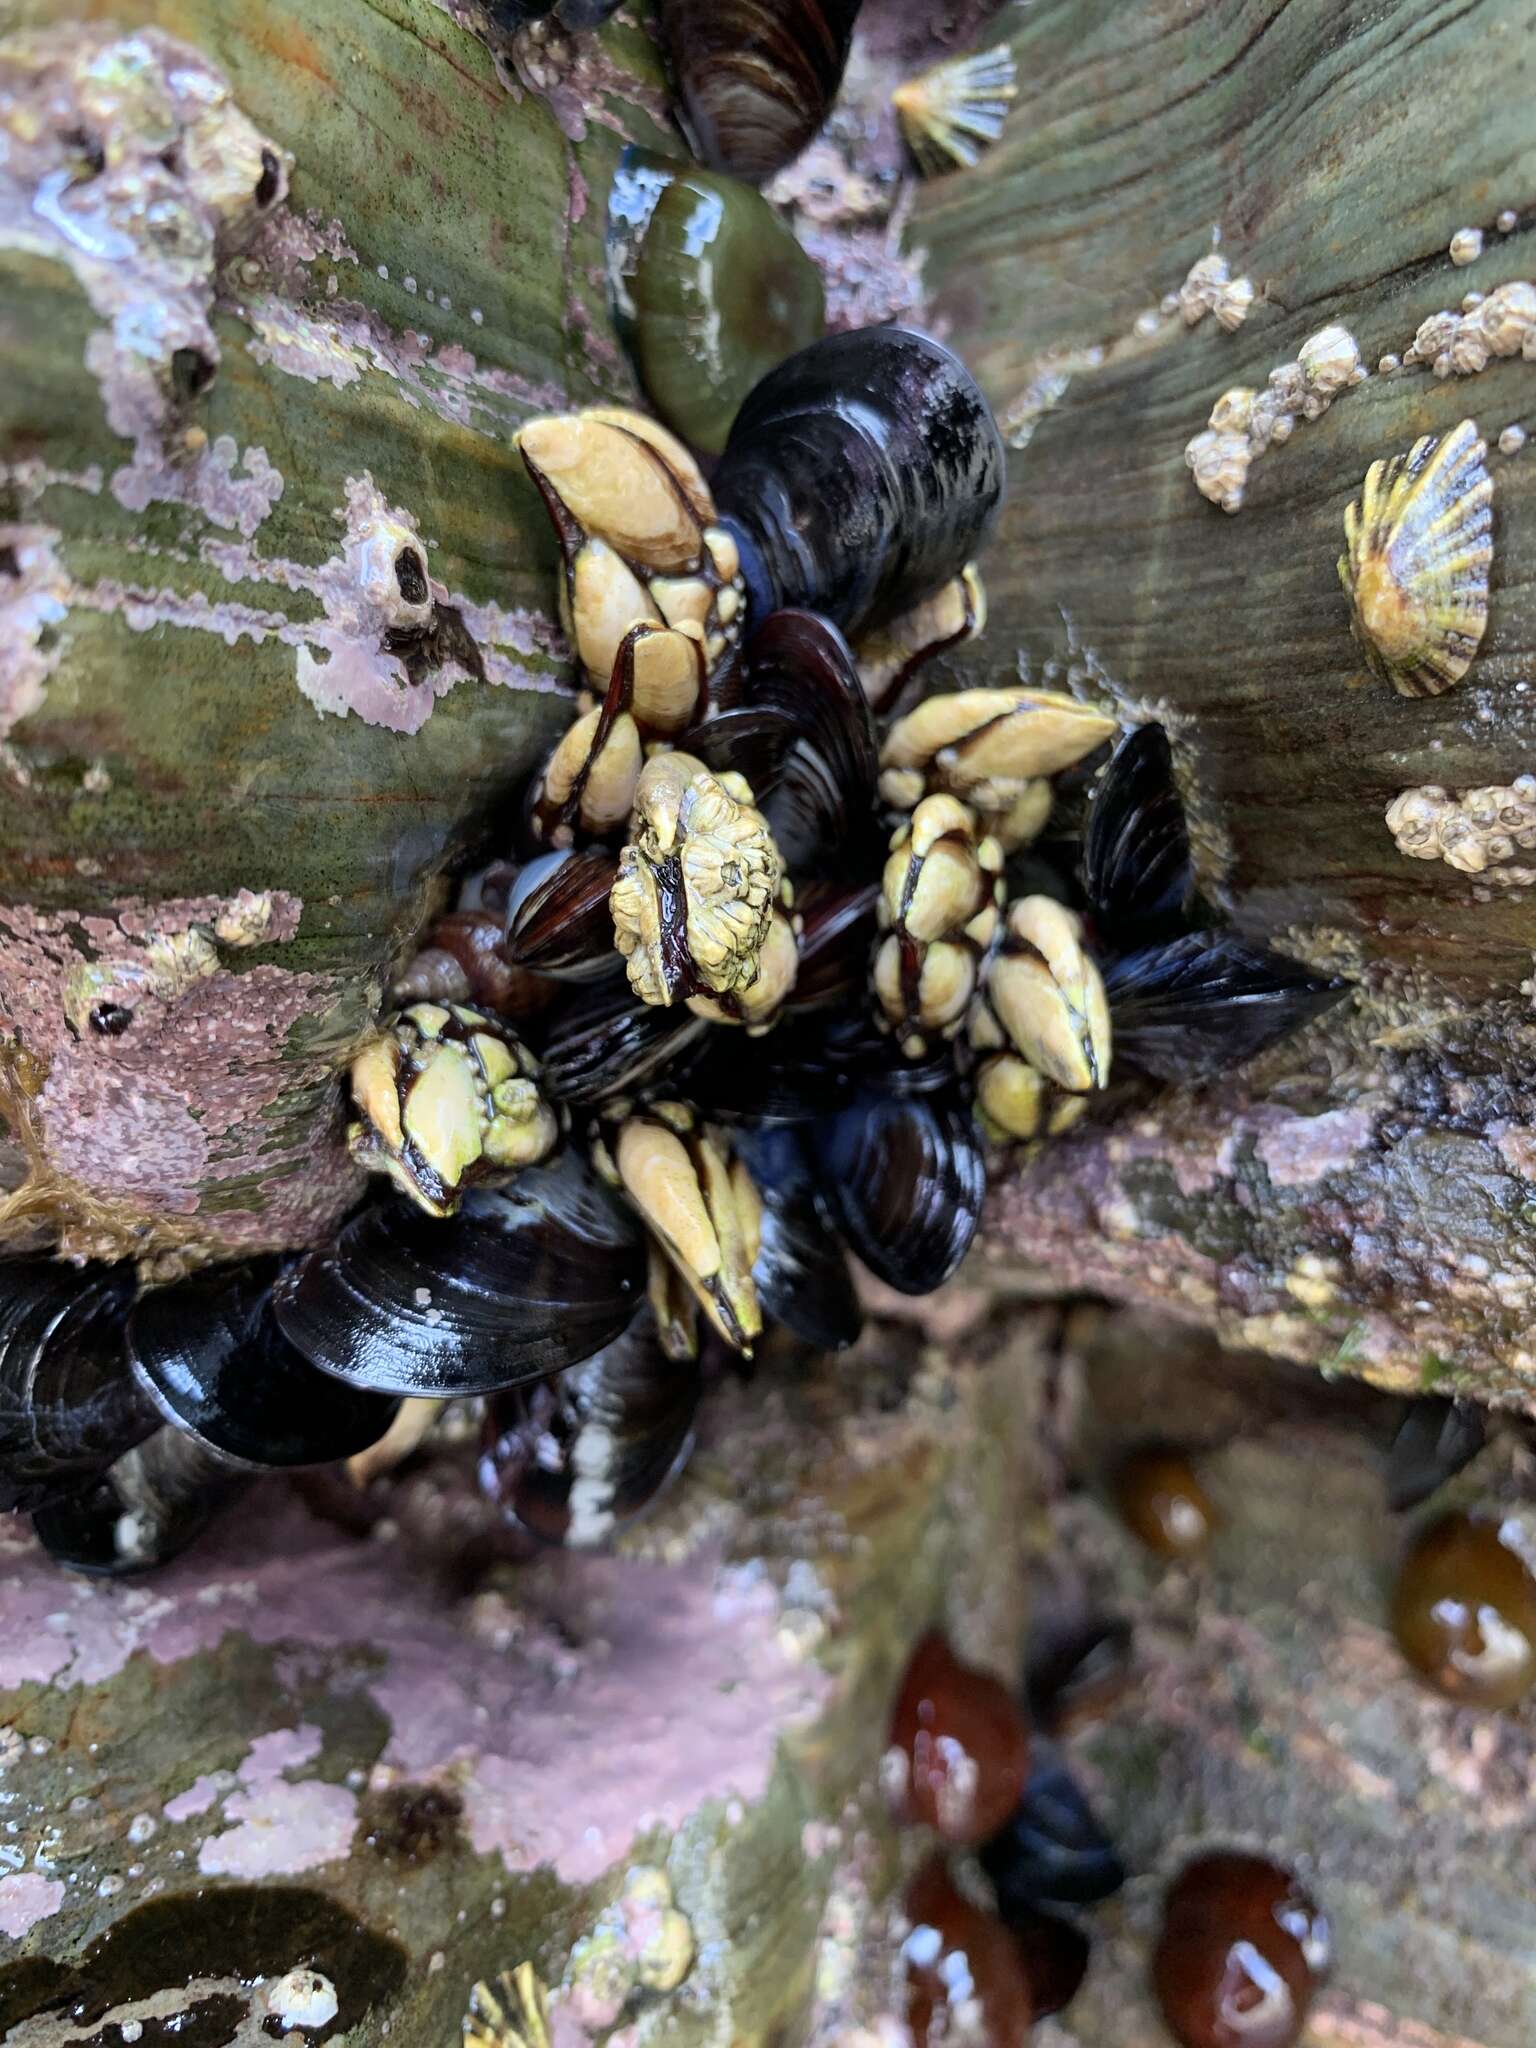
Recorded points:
(1211, 288)
(1245, 422)
(1497, 323)
(1479, 829)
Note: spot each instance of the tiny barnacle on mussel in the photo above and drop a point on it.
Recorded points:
(209, 1355)
(447, 1099)
(860, 476)
(710, 290)
(902, 1177)
(144, 1509)
(575, 1457)
(697, 884)
(755, 78)
(1419, 544)
(520, 1282)
(698, 1203)
(640, 546)
(1052, 1850)
(952, 113)
(68, 1404)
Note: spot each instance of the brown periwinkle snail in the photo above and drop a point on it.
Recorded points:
(1240, 1956)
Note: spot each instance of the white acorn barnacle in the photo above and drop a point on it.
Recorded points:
(389, 562)
(1506, 319)
(1466, 246)
(1233, 411)
(700, 1205)
(1043, 996)
(1329, 362)
(1219, 462)
(1201, 290)
(447, 1098)
(1233, 302)
(694, 897)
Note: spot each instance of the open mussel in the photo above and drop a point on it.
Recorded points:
(860, 476)
(710, 290)
(572, 1459)
(1207, 1001)
(756, 78)
(68, 1403)
(903, 1179)
(145, 1509)
(209, 1355)
(520, 1283)
(801, 1269)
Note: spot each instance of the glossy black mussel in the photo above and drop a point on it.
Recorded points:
(145, 1509)
(756, 78)
(558, 920)
(604, 1042)
(1136, 862)
(68, 1403)
(1434, 1441)
(710, 290)
(1052, 1851)
(573, 15)
(801, 1269)
(521, 1282)
(209, 1354)
(860, 476)
(573, 1458)
(903, 1178)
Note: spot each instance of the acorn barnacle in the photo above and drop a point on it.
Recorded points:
(447, 1098)
(1415, 569)
(952, 113)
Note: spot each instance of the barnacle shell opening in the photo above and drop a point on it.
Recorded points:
(1419, 546)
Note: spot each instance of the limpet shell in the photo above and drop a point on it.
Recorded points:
(952, 113)
(1420, 542)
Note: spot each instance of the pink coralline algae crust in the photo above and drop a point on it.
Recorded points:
(25, 1898)
(175, 1105)
(676, 1693)
(1297, 1150)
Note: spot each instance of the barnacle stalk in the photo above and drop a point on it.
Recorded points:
(447, 1099)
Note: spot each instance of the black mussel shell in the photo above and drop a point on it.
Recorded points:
(68, 1403)
(1208, 1001)
(710, 290)
(802, 1271)
(787, 1078)
(603, 1041)
(756, 78)
(838, 928)
(1136, 864)
(1078, 1662)
(1055, 1952)
(574, 15)
(521, 1282)
(210, 1356)
(903, 1179)
(860, 476)
(143, 1510)
(576, 1457)
(1053, 1852)
(558, 920)
(1435, 1439)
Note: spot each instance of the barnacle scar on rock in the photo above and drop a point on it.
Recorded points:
(1479, 829)
(694, 896)
(447, 1098)
(950, 114)
(1415, 568)
(1244, 422)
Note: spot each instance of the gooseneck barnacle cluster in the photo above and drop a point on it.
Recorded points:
(759, 823)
